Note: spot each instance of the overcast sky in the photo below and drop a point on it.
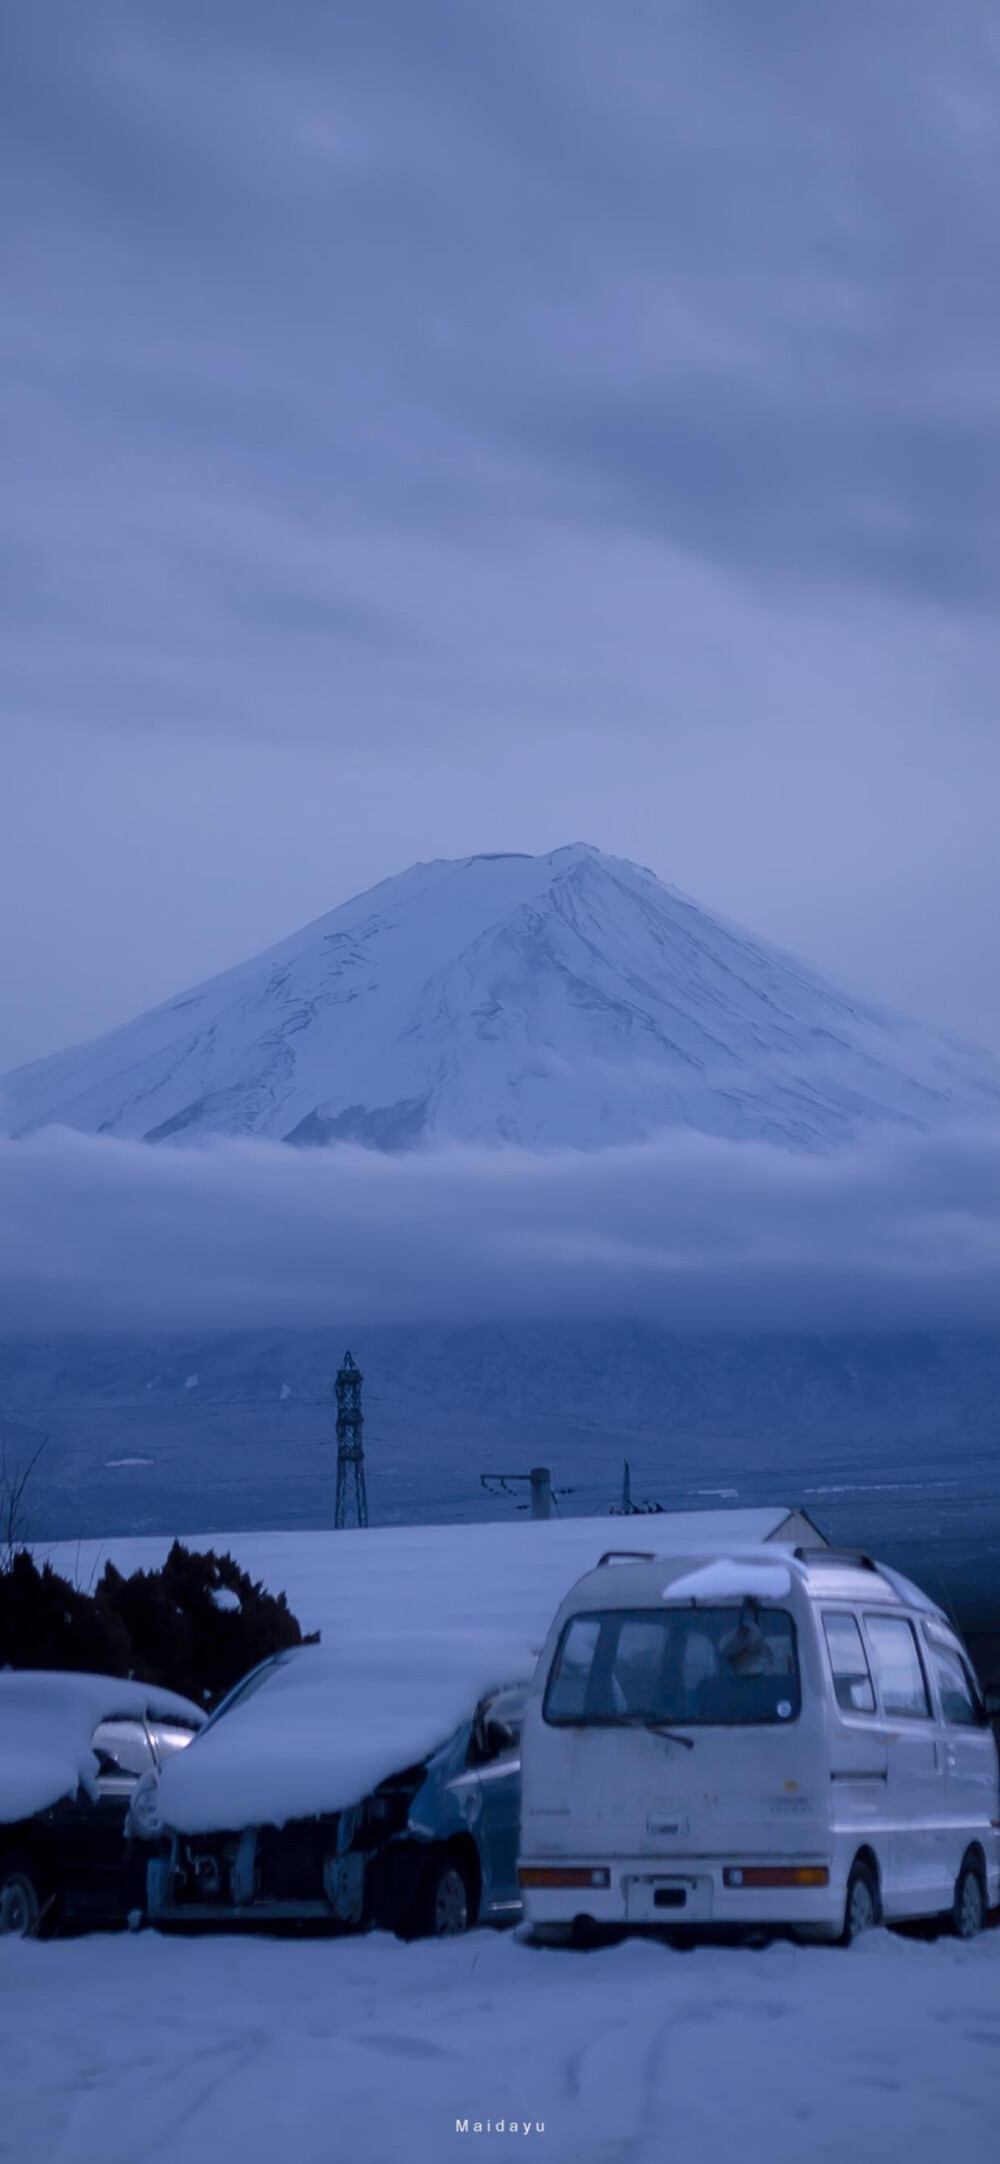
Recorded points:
(442, 427)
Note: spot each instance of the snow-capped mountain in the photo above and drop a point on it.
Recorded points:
(564, 999)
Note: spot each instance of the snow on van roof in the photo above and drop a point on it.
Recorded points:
(738, 1573)
(327, 1724)
(731, 1578)
(47, 1718)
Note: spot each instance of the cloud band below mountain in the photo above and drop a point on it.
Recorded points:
(688, 1230)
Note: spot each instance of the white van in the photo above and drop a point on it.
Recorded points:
(777, 1737)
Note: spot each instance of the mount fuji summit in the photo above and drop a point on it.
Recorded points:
(569, 999)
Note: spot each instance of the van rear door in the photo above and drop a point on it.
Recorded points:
(918, 1881)
(673, 1731)
(970, 1752)
(858, 1750)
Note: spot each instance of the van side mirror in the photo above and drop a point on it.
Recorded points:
(991, 1700)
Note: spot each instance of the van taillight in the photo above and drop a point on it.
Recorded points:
(562, 1875)
(760, 1874)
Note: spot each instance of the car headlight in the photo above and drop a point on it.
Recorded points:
(144, 1810)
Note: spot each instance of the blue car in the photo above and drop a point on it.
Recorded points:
(456, 1863)
(430, 1850)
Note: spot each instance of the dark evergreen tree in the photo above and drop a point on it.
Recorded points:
(166, 1626)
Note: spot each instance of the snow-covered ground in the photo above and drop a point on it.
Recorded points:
(365, 2051)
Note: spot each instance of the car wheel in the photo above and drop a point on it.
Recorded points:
(968, 1912)
(861, 1908)
(449, 1904)
(24, 1896)
(445, 1904)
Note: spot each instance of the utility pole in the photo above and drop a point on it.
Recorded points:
(351, 1507)
(539, 1483)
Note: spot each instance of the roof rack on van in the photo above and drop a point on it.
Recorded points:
(836, 1555)
(626, 1555)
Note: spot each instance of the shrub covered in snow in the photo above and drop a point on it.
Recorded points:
(195, 1626)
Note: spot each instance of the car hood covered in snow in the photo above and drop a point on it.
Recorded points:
(326, 1726)
(47, 1718)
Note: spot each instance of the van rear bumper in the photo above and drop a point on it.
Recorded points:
(681, 1890)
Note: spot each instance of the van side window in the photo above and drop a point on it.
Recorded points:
(961, 1704)
(852, 1680)
(898, 1670)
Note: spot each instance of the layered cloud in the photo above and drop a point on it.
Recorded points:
(692, 1232)
(324, 325)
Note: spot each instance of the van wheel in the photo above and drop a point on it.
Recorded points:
(861, 1908)
(968, 1910)
(25, 1900)
(549, 1935)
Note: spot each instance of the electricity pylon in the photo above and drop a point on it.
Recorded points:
(351, 1506)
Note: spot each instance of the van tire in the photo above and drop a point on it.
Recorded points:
(861, 1906)
(586, 1934)
(968, 1910)
(549, 1935)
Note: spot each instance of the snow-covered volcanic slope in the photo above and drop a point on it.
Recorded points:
(570, 998)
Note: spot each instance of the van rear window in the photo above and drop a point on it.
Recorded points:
(704, 1667)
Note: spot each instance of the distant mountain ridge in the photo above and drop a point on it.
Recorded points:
(568, 999)
(888, 1442)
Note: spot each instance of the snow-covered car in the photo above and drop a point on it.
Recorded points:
(73, 1748)
(375, 1784)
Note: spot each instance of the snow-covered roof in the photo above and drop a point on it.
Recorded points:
(47, 1719)
(503, 1576)
(328, 1724)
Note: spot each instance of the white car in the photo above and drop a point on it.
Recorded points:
(780, 1737)
(73, 1748)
